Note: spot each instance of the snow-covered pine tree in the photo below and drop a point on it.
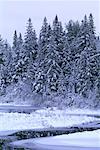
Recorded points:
(54, 73)
(66, 65)
(1, 64)
(87, 65)
(20, 40)
(64, 51)
(48, 80)
(97, 88)
(50, 74)
(30, 41)
(82, 80)
(40, 74)
(1, 51)
(93, 66)
(94, 62)
(15, 53)
(8, 63)
(15, 39)
(59, 38)
(97, 83)
(30, 50)
(19, 65)
(44, 37)
(43, 41)
(82, 38)
(5, 66)
(72, 30)
(91, 24)
(15, 47)
(77, 46)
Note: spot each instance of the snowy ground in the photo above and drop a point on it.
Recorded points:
(68, 110)
(13, 104)
(44, 118)
(88, 140)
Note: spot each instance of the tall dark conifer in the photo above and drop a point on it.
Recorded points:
(30, 50)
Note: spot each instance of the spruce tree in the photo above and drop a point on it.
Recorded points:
(30, 50)
(87, 73)
(8, 62)
(19, 62)
(43, 41)
(91, 25)
(73, 29)
(15, 53)
(66, 65)
(50, 66)
(54, 72)
(41, 74)
(48, 78)
(59, 38)
(3, 67)
(15, 39)
(1, 51)
(30, 42)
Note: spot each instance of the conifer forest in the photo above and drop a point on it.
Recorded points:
(60, 66)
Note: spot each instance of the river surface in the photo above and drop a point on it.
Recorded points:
(7, 138)
(40, 133)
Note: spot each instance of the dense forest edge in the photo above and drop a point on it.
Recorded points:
(59, 68)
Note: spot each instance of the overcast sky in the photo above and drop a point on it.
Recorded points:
(15, 13)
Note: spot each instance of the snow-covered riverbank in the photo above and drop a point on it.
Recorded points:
(44, 118)
(88, 140)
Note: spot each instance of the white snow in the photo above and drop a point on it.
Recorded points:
(82, 139)
(50, 109)
(6, 133)
(13, 104)
(83, 111)
(88, 140)
(71, 111)
(44, 118)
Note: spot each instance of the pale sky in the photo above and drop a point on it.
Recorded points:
(15, 13)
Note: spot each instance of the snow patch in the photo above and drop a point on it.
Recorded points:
(44, 118)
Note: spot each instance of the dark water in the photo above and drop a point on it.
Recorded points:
(6, 142)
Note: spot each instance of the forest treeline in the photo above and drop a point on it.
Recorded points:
(61, 61)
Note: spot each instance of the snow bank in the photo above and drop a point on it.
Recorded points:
(14, 104)
(88, 140)
(83, 139)
(44, 118)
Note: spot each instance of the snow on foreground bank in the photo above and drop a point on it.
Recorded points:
(84, 139)
(45, 118)
(88, 140)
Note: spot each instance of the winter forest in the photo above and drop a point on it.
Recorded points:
(59, 68)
